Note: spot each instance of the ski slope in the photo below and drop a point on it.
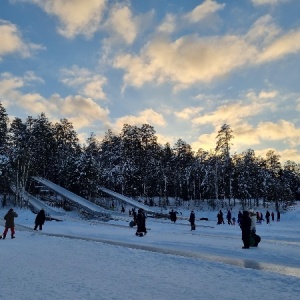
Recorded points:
(128, 200)
(73, 198)
(36, 205)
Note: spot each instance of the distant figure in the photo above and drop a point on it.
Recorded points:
(220, 218)
(192, 220)
(240, 216)
(278, 215)
(10, 223)
(246, 229)
(173, 215)
(123, 209)
(233, 221)
(141, 223)
(253, 218)
(268, 217)
(228, 217)
(40, 220)
(272, 215)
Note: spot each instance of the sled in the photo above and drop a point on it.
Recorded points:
(254, 239)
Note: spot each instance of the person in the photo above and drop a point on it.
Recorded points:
(246, 228)
(272, 215)
(278, 215)
(220, 218)
(10, 223)
(141, 223)
(240, 216)
(192, 220)
(253, 218)
(173, 215)
(228, 217)
(233, 221)
(268, 217)
(40, 220)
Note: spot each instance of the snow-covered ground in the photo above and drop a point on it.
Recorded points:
(89, 259)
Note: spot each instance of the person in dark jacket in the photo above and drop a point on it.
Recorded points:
(10, 223)
(268, 217)
(192, 220)
(246, 228)
(141, 223)
(40, 220)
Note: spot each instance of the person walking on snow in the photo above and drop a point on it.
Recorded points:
(268, 217)
(141, 223)
(10, 223)
(246, 229)
(192, 220)
(40, 220)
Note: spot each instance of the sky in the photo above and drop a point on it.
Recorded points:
(184, 67)
(88, 259)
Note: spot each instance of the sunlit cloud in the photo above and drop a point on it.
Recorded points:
(231, 113)
(185, 61)
(203, 11)
(168, 26)
(75, 16)
(82, 110)
(12, 41)
(147, 116)
(288, 43)
(268, 2)
(86, 82)
(188, 112)
(122, 24)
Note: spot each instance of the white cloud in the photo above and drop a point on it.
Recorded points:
(88, 83)
(147, 116)
(169, 24)
(75, 16)
(204, 10)
(81, 111)
(288, 43)
(12, 42)
(122, 24)
(188, 112)
(268, 2)
(185, 61)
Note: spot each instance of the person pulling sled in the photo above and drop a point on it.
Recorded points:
(141, 223)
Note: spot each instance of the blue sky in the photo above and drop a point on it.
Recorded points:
(185, 67)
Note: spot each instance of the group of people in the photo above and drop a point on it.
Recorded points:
(10, 222)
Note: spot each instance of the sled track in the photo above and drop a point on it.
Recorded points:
(241, 263)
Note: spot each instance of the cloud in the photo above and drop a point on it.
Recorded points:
(122, 24)
(75, 16)
(81, 111)
(12, 42)
(284, 131)
(231, 113)
(185, 61)
(188, 112)
(288, 43)
(147, 116)
(87, 83)
(268, 2)
(203, 11)
(168, 26)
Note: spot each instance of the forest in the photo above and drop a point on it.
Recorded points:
(133, 163)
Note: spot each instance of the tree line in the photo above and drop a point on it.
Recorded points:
(133, 163)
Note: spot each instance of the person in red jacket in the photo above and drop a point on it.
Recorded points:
(10, 223)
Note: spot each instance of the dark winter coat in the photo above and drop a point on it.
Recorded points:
(40, 218)
(10, 218)
(192, 218)
(246, 228)
(141, 222)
